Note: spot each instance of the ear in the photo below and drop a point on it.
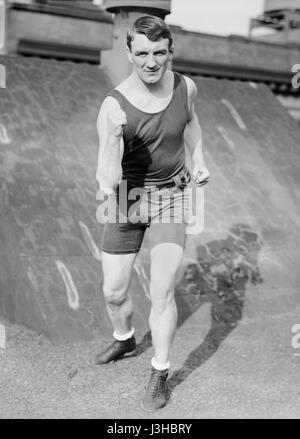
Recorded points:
(171, 52)
(129, 54)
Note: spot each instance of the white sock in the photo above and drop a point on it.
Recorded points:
(123, 337)
(160, 366)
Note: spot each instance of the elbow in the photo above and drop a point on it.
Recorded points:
(108, 179)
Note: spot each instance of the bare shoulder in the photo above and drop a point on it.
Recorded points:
(109, 104)
(191, 87)
(192, 95)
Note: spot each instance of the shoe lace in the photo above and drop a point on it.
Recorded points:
(155, 384)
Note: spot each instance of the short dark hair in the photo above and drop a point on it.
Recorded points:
(153, 27)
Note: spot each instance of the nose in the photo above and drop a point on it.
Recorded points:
(151, 62)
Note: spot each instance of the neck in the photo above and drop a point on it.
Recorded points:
(151, 88)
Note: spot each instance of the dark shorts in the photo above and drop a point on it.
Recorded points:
(161, 213)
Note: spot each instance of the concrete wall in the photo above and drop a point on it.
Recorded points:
(292, 36)
(59, 29)
(235, 50)
(189, 46)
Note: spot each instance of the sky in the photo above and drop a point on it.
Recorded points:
(222, 17)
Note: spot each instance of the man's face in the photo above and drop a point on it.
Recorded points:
(149, 58)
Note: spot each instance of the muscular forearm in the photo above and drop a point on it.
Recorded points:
(197, 154)
(109, 170)
(193, 140)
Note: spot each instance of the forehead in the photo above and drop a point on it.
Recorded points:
(140, 43)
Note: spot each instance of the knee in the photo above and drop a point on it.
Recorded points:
(162, 288)
(162, 296)
(115, 295)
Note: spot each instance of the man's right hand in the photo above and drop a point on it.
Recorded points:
(116, 120)
(103, 192)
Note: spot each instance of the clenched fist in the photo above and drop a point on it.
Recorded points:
(116, 120)
(201, 175)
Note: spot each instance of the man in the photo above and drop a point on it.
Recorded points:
(143, 125)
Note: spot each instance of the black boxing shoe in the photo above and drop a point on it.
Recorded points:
(156, 394)
(116, 351)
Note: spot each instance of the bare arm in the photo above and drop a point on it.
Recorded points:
(110, 122)
(193, 137)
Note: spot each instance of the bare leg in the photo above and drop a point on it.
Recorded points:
(116, 277)
(165, 260)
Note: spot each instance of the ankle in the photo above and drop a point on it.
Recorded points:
(160, 366)
(123, 337)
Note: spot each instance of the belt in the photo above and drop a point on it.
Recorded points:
(180, 180)
(160, 186)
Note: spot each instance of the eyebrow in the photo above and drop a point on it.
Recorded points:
(139, 52)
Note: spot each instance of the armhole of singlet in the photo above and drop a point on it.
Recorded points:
(118, 97)
(184, 93)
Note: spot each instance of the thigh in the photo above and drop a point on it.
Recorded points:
(173, 233)
(168, 224)
(165, 261)
(120, 235)
(122, 239)
(117, 269)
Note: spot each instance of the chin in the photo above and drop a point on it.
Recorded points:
(149, 80)
(152, 79)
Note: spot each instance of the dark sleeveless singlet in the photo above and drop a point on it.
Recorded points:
(153, 142)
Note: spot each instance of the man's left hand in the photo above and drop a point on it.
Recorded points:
(201, 175)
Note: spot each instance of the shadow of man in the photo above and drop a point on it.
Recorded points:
(219, 276)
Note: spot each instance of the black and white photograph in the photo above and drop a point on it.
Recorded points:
(149, 212)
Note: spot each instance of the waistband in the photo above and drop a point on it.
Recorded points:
(180, 180)
(160, 186)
